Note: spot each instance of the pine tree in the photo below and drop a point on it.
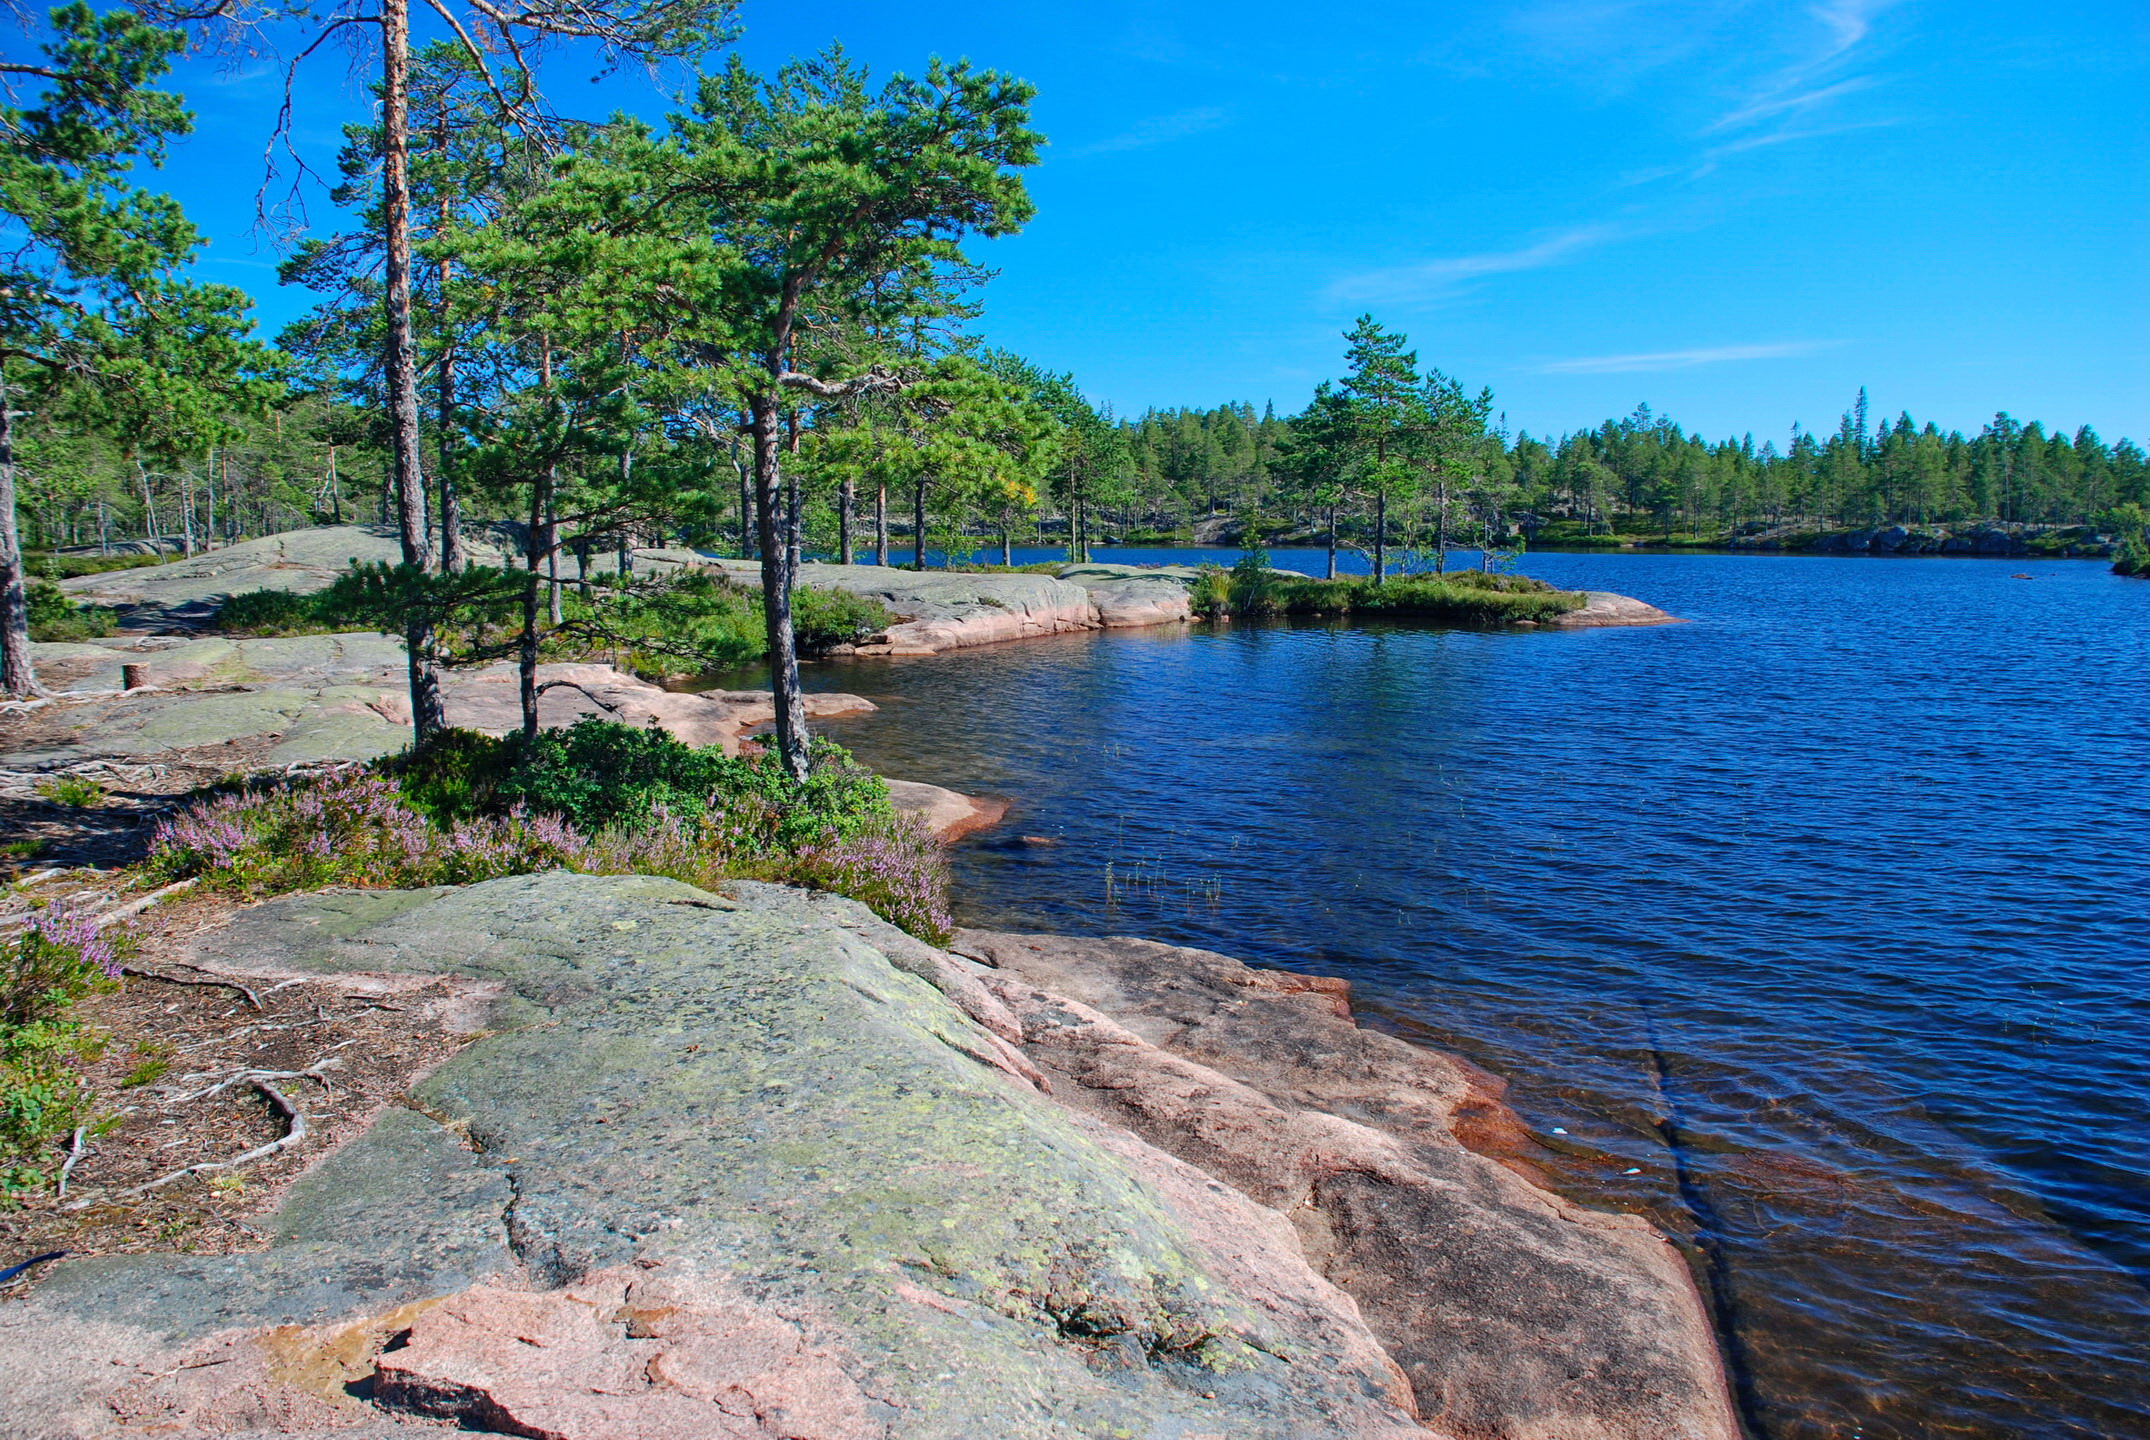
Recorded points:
(95, 320)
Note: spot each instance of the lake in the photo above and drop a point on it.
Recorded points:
(1824, 914)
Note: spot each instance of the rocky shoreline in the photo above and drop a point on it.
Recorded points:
(937, 610)
(758, 1164)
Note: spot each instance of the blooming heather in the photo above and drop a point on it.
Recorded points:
(358, 829)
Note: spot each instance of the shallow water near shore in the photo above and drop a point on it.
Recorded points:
(1824, 914)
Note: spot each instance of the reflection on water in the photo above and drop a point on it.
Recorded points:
(1824, 913)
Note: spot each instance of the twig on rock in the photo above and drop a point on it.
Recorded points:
(293, 1136)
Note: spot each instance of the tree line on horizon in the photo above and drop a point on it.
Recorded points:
(753, 327)
(1644, 473)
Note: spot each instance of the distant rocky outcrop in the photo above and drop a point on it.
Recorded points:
(760, 1165)
(299, 562)
(1604, 608)
(322, 698)
(936, 610)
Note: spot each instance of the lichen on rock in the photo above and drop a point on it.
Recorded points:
(703, 1117)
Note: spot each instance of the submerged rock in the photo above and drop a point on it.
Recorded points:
(726, 1167)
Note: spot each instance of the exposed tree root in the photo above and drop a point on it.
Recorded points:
(294, 1136)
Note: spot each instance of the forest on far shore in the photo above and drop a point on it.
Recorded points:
(317, 460)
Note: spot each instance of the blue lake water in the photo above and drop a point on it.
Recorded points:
(1826, 912)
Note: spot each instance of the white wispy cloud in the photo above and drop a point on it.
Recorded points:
(1432, 277)
(1160, 130)
(1806, 84)
(1780, 104)
(1848, 22)
(1679, 359)
(1786, 137)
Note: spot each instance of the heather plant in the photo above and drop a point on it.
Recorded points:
(354, 829)
(600, 799)
(893, 868)
(55, 960)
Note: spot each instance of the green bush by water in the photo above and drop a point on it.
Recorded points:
(1466, 597)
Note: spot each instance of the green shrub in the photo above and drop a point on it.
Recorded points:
(73, 790)
(56, 619)
(2131, 532)
(1466, 597)
(1211, 593)
(67, 567)
(278, 612)
(697, 621)
(822, 618)
(599, 774)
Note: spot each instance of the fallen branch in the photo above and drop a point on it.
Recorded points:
(74, 1153)
(571, 685)
(136, 907)
(294, 1135)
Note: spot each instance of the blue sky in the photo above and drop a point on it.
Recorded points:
(1738, 212)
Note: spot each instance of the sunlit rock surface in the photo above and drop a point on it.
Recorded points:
(315, 698)
(724, 1167)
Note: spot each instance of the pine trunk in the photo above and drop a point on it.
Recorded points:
(790, 734)
(918, 527)
(1332, 542)
(844, 497)
(452, 558)
(533, 550)
(401, 361)
(794, 509)
(1381, 538)
(1440, 537)
(880, 524)
(746, 517)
